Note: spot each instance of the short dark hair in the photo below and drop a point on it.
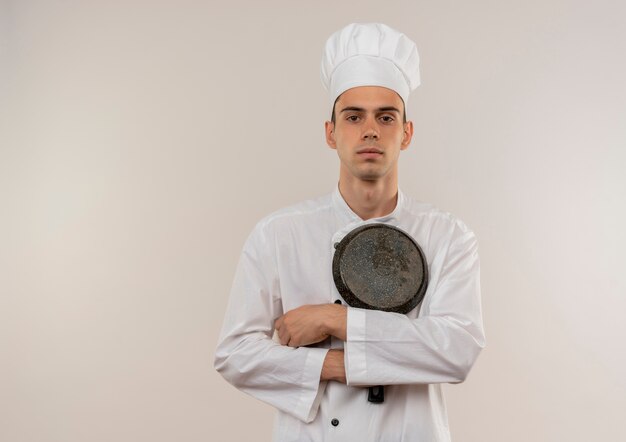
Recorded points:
(332, 116)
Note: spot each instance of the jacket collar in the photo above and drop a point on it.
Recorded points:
(340, 205)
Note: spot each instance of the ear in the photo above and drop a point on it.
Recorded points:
(329, 128)
(407, 136)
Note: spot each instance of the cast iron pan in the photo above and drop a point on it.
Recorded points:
(380, 267)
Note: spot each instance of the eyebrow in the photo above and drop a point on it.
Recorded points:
(360, 109)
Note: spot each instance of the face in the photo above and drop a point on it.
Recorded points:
(368, 133)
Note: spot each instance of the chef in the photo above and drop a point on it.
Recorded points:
(288, 337)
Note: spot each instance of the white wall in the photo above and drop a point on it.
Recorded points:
(141, 141)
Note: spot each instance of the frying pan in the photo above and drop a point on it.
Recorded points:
(380, 267)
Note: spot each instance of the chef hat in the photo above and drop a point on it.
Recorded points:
(370, 54)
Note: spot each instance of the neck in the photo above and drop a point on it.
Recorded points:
(370, 199)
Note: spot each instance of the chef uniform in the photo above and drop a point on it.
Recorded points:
(286, 262)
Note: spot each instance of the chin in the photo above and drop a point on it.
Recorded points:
(367, 173)
(370, 176)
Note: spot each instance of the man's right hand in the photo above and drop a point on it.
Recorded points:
(334, 368)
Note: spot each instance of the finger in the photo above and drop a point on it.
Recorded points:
(284, 339)
(293, 341)
(280, 334)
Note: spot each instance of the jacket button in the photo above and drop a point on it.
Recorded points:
(334, 422)
(338, 301)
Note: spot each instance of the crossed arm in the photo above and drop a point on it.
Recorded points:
(309, 324)
(439, 345)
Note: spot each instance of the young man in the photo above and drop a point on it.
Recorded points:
(324, 353)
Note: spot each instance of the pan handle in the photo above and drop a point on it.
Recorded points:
(376, 394)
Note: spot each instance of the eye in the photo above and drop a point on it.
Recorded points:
(353, 118)
(387, 119)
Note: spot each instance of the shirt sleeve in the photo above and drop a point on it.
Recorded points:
(247, 356)
(440, 345)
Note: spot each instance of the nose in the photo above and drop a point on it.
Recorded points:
(370, 130)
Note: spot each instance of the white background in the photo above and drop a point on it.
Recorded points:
(142, 140)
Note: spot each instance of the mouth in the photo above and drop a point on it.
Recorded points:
(370, 150)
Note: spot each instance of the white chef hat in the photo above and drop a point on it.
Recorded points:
(370, 54)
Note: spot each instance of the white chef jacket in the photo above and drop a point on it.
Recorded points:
(287, 262)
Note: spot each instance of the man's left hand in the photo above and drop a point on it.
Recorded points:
(309, 324)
